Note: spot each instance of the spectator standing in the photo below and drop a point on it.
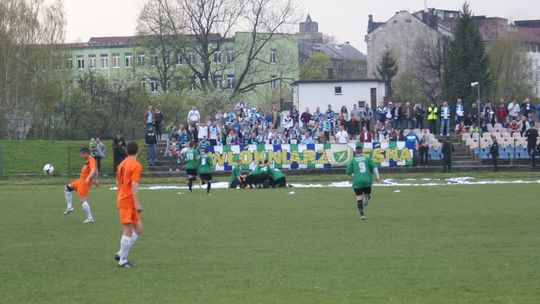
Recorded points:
(528, 107)
(240, 105)
(356, 113)
(489, 113)
(345, 113)
(317, 115)
(353, 126)
(494, 151)
(501, 113)
(408, 114)
(287, 122)
(513, 110)
(331, 116)
(194, 116)
(445, 119)
(381, 113)
(424, 148)
(159, 121)
(419, 114)
(460, 112)
(367, 116)
(98, 153)
(119, 151)
(342, 137)
(411, 142)
(532, 137)
(295, 114)
(150, 141)
(149, 117)
(432, 113)
(193, 133)
(447, 151)
(305, 118)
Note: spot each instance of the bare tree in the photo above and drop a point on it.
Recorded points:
(159, 42)
(429, 58)
(511, 68)
(205, 27)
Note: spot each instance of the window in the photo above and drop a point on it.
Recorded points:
(116, 60)
(92, 61)
(338, 91)
(230, 55)
(80, 62)
(140, 59)
(142, 83)
(69, 63)
(192, 85)
(217, 57)
(154, 60)
(179, 84)
(153, 85)
(191, 57)
(230, 82)
(217, 82)
(104, 61)
(179, 58)
(273, 55)
(128, 59)
(273, 83)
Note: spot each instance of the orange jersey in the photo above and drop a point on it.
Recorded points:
(129, 171)
(89, 164)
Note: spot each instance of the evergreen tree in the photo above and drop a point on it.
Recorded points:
(387, 69)
(466, 60)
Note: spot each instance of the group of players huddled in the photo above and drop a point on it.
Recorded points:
(197, 162)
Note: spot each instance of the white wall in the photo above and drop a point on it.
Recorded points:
(316, 94)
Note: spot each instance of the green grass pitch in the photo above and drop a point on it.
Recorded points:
(448, 244)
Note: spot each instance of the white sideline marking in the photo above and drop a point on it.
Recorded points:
(422, 182)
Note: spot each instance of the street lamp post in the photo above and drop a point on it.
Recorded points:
(477, 86)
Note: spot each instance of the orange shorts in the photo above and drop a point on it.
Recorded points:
(128, 216)
(80, 187)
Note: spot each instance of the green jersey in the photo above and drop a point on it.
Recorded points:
(362, 167)
(274, 173)
(190, 158)
(255, 170)
(205, 164)
(235, 173)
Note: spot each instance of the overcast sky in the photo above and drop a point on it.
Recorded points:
(344, 19)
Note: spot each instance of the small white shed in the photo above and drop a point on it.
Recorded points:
(320, 93)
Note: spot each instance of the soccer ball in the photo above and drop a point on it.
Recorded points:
(48, 169)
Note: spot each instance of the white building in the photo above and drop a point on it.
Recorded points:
(529, 33)
(320, 93)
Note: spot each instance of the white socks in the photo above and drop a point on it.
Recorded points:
(125, 243)
(68, 199)
(86, 209)
(134, 237)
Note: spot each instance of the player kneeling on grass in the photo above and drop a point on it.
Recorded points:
(82, 185)
(256, 178)
(237, 179)
(360, 168)
(129, 207)
(189, 155)
(276, 177)
(206, 168)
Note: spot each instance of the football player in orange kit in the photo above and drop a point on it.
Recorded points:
(89, 173)
(129, 208)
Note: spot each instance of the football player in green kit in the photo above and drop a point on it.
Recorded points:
(189, 155)
(205, 168)
(361, 168)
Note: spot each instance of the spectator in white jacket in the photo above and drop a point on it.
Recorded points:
(513, 110)
(194, 116)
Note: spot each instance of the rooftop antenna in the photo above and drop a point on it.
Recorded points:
(426, 9)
